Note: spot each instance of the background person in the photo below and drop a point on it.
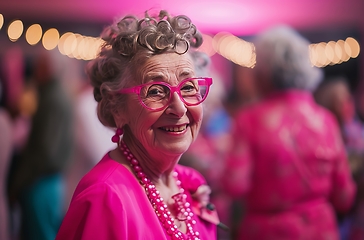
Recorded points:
(6, 148)
(288, 164)
(36, 182)
(335, 95)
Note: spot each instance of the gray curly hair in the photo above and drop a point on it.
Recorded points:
(129, 43)
(285, 53)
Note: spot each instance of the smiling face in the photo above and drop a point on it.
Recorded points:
(169, 131)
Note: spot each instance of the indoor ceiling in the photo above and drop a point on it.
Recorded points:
(239, 17)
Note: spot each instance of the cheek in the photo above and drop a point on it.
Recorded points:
(140, 125)
(196, 114)
(142, 120)
(138, 118)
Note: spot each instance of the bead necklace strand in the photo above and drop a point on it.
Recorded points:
(160, 208)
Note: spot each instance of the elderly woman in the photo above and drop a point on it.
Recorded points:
(147, 89)
(288, 165)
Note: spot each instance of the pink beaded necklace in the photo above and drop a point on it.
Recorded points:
(160, 208)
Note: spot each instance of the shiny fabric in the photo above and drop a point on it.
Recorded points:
(109, 203)
(289, 166)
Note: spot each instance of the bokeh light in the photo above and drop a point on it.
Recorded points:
(234, 49)
(50, 39)
(1, 20)
(34, 34)
(15, 30)
(354, 47)
(206, 46)
(332, 53)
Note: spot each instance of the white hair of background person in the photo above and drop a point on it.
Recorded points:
(285, 54)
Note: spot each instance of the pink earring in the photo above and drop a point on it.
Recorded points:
(116, 137)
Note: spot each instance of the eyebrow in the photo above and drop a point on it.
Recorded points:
(153, 76)
(186, 73)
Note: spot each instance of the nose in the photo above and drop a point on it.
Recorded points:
(176, 106)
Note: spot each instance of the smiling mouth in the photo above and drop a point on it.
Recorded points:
(174, 129)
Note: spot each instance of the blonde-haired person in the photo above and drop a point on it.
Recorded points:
(147, 88)
(288, 166)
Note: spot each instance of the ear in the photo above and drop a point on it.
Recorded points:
(120, 119)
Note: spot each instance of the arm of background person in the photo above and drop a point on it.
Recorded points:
(238, 165)
(343, 186)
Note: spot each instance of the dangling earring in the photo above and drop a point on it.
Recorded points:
(116, 137)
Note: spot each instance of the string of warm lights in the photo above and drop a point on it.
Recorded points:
(235, 49)
(331, 53)
(242, 52)
(70, 44)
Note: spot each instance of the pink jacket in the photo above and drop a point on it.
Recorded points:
(289, 166)
(109, 203)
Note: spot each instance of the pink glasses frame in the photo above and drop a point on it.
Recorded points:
(201, 81)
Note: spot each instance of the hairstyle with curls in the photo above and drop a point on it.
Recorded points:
(128, 43)
(285, 54)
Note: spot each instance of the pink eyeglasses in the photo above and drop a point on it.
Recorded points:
(156, 96)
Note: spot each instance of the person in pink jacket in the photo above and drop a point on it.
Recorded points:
(147, 88)
(288, 166)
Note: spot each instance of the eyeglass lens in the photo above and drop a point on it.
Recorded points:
(158, 95)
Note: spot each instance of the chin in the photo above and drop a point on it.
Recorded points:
(177, 148)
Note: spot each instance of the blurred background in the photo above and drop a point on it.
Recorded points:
(62, 36)
(71, 28)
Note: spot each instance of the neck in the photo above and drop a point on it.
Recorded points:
(158, 168)
(164, 181)
(169, 214)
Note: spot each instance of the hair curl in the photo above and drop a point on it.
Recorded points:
(128, 43)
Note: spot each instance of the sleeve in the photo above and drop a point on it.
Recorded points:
(343, 186)
(236, 179)
(96, 213)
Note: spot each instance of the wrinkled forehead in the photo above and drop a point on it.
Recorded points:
(166, 66)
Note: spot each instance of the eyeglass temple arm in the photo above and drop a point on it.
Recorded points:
(208, 81)
(130, 90)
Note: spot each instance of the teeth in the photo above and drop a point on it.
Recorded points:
(175, 129)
